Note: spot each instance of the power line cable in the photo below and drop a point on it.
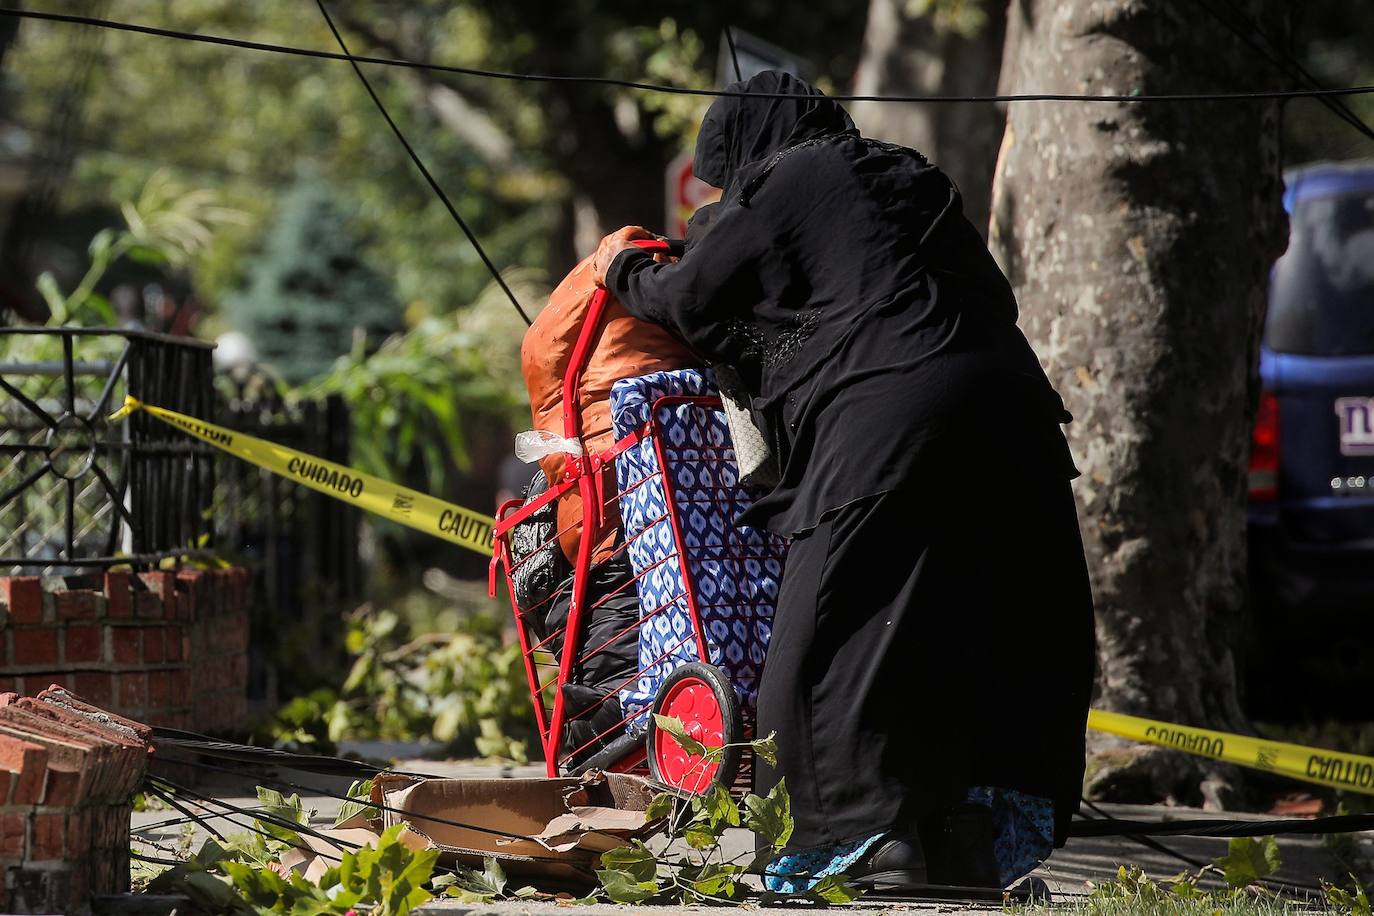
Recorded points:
(415, 158)
(1257, 95)
(227, 815)
(1155, 845)
(1284, 63)
(734, 55)
(154, 860)
(367, 803)
(1339, 823)
(1280, 50)
(149, 786)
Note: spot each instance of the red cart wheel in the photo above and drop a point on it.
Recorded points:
(702, 698)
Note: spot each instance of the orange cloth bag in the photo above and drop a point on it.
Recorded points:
(626, 347)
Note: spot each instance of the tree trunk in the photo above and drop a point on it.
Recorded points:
(1139, 239)
(907, 54)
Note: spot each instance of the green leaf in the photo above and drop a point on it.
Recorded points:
(488, 883)
(447, 723)
(621, 886)
(720, 808)
(284, 809)
(492, 873)
(834, 889)
(362, 790)
(1354, 902)
(770, 817)
(766, 749)
(700, 836)
(1186, 890)
(338, 721)
(259, 886)
(52, 295)
(673, 726)
(1248, 859)
(718, 881)
(635, 860)
(661, 807)
(213, 894)
(101, 244)
(357, 675)
(100, 306)
(147, 254)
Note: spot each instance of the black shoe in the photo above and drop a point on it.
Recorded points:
(894, 864)
(959, 844)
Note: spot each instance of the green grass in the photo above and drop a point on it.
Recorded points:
(1133, 893)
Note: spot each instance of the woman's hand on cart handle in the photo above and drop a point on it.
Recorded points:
(613, 245)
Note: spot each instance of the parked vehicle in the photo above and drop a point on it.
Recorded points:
(1311, 516)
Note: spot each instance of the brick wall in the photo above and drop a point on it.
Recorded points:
(169, 648)
(67, 772)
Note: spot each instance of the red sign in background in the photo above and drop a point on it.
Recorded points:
(686, 193)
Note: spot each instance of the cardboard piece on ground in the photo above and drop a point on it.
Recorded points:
(322, 854)
(550, 828)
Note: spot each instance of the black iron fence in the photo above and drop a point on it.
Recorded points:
(78, 491)
(302, 545)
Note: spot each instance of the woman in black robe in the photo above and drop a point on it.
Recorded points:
(934, 633)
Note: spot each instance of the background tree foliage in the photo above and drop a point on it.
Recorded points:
(519, 159)
(312, 296)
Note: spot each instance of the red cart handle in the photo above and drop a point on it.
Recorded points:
(591, 329)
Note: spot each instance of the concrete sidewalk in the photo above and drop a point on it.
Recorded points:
(1306, 859)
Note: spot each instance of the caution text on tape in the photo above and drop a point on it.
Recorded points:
(456, 524)
(1309, 764)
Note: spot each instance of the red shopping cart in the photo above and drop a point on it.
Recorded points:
(705, 587)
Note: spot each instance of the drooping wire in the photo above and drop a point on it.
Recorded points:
(1303, 73)
(1283, 62)
(1156, 846)
(419, 164)
(1240, 96)
(228, 812)
(734, 55)
(185, 811)
(153, 860)
(1218, 827)
(378, 806)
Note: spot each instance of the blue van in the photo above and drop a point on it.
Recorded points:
(1311, 517)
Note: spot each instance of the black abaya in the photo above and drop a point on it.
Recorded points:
(918, 650)
(935, 628)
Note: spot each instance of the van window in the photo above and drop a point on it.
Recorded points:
(1321, 295)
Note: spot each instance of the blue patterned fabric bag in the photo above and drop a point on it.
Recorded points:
(735, 571)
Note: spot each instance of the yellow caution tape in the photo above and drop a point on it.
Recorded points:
(473, 530)
(1309, 764)
(465, 527)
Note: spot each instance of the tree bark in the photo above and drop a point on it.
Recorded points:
(906, 54)
(1139, 239)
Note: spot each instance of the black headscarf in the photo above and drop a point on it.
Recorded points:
(740, 134)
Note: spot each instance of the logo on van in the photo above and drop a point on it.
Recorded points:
(1356, 417)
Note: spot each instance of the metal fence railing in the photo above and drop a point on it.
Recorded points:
(77, 491)
(302, 545)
